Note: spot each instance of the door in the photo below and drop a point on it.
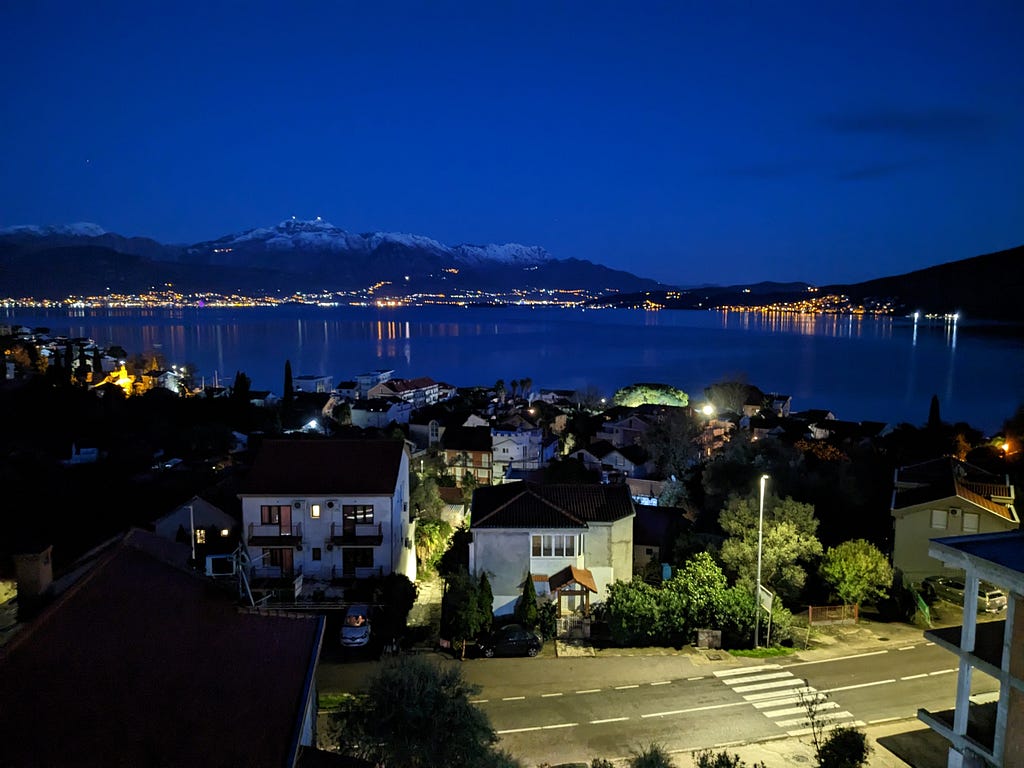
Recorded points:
(286, 521)
(287, 563)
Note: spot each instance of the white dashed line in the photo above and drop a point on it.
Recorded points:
(695, 678)
(838, 658)
(560, 725)
(479, 701)
(609, 720)
(943, 672)
(624, 687)
(549, 695)
(514, 698)
(915, 677)
(695, 709)
(860, 685)
(906, 648)
(663, 682)
(590, 690)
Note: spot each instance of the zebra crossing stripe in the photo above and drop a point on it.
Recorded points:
(788, 683)
(779, 695)
(829, 720)
(744, 670)
(797, 710)
(758, 678)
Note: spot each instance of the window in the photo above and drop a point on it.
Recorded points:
(272, 557)
(357, 514)
(971, 520)
(939, 518)
(270, 514)
(200, 536)
(314, 511)
(316, 553)
(553, 545)
(356, 557)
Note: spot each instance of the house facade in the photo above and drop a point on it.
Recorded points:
(316, 511)
(468, 450)
(527, 529)
(945, 497)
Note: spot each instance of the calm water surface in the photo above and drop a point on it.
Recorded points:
(881, 369)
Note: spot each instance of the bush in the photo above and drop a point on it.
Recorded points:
(708, 759)
(844, 747)
(547, 620)
(654, 756)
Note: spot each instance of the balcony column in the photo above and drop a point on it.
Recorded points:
(968, 632)
(1003, 707)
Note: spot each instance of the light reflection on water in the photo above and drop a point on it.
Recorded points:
(859, 367)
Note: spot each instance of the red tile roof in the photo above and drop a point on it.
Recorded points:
(534, 505)
(341, 467)
(571, 574)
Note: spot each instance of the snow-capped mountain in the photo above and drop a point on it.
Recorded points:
(78, 229)
(320, 236)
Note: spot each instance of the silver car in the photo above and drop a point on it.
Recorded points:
(991, 599)
(355, 630)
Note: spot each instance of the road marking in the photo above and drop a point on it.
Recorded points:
(724, 744)
(906, 648)
(778, 702)
(479, 701)
(797, 710)
(520, 730)
(549, 695)
(807, 731)
(944, 671)
(695, 709)
(590, 690)
(624, 687)
(757, 678)
(744, 670)
(513, 698)
(609, 720)
(663, 682)
(885, 720)
(860, 685)
(832, 718)
(696, 678)
(929, 643)
(560, 725)
(779, 694)
(915, 677)
(789, 683)
(838, 658)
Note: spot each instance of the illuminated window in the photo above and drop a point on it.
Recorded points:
(553, 545)
(314, 511)
(357, 514)
(200, 536)
(225, 532)
(939, 518)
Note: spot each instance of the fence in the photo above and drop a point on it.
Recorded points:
(818, 615)
(570, 627)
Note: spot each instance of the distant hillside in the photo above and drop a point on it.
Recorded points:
(982, 287)
(989, 286)
(310, 256)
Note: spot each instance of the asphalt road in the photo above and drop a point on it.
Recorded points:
(561, 710)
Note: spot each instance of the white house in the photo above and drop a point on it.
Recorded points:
(329, 510)
(380, 412)
(555, 533)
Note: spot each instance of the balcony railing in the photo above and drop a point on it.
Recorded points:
(275, 535)
(338, 573)
(275, 573)
(361, 533)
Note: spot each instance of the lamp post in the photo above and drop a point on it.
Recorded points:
(757, 589)
(192, 525)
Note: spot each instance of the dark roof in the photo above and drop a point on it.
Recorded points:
(141, 662)
(467, 439)
(533, 505)
(599, 448)
(290, 467)
(634, 453)
(947, 477)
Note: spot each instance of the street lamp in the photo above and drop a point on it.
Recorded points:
(760, 536)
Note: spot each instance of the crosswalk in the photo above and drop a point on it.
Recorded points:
(783, 697)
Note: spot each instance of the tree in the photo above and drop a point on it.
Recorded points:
(646, 393)
(527, 386)
(730, 395)
(526, 605)
(857, 571)
(241, 387)
(690, 599)
(788, 542)
(424, 496)
(398, 595)
(432, 537)
(672, 443)
(289, 387)
(934, 417)
(417, 714)
(633, 609)
(499, 389)
(461, 615)
(486, 598)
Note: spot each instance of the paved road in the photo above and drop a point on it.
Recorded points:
(560, 710)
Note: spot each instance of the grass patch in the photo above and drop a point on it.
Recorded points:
(762, 653)
(332, 701)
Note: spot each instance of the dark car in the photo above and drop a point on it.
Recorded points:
(990, 598)
(510, 640)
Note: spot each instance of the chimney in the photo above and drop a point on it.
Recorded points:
(34, 570)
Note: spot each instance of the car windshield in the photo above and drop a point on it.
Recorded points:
(355, 620)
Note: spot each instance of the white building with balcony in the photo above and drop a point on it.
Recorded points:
(316, 512)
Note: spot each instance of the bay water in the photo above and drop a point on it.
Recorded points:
(860, 368)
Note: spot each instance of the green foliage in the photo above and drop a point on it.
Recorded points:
(289, 387)
(789, 542)
(654, 756)
(526, 605)
(600, 762)
(633, 612)
(432, 539)
(709, 759)
(843, 747)
(418, 714)
(857, 571)
(462, 617)
(456, 557)
(645, 394)
(486, 598)
(671, 442)
(689, 600)
(547, 620)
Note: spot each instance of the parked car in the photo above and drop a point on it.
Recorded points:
(510, 640)
(355, 629)
(951, 589)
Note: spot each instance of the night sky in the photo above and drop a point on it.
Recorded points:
(689, 142)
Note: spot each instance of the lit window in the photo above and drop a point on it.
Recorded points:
(200, 536)
(314, 511)
(939, 518)
(225, 532)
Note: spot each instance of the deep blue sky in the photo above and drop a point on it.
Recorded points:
(690, 142)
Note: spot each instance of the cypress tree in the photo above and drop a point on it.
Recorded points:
(289, 389)
(526, 606)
